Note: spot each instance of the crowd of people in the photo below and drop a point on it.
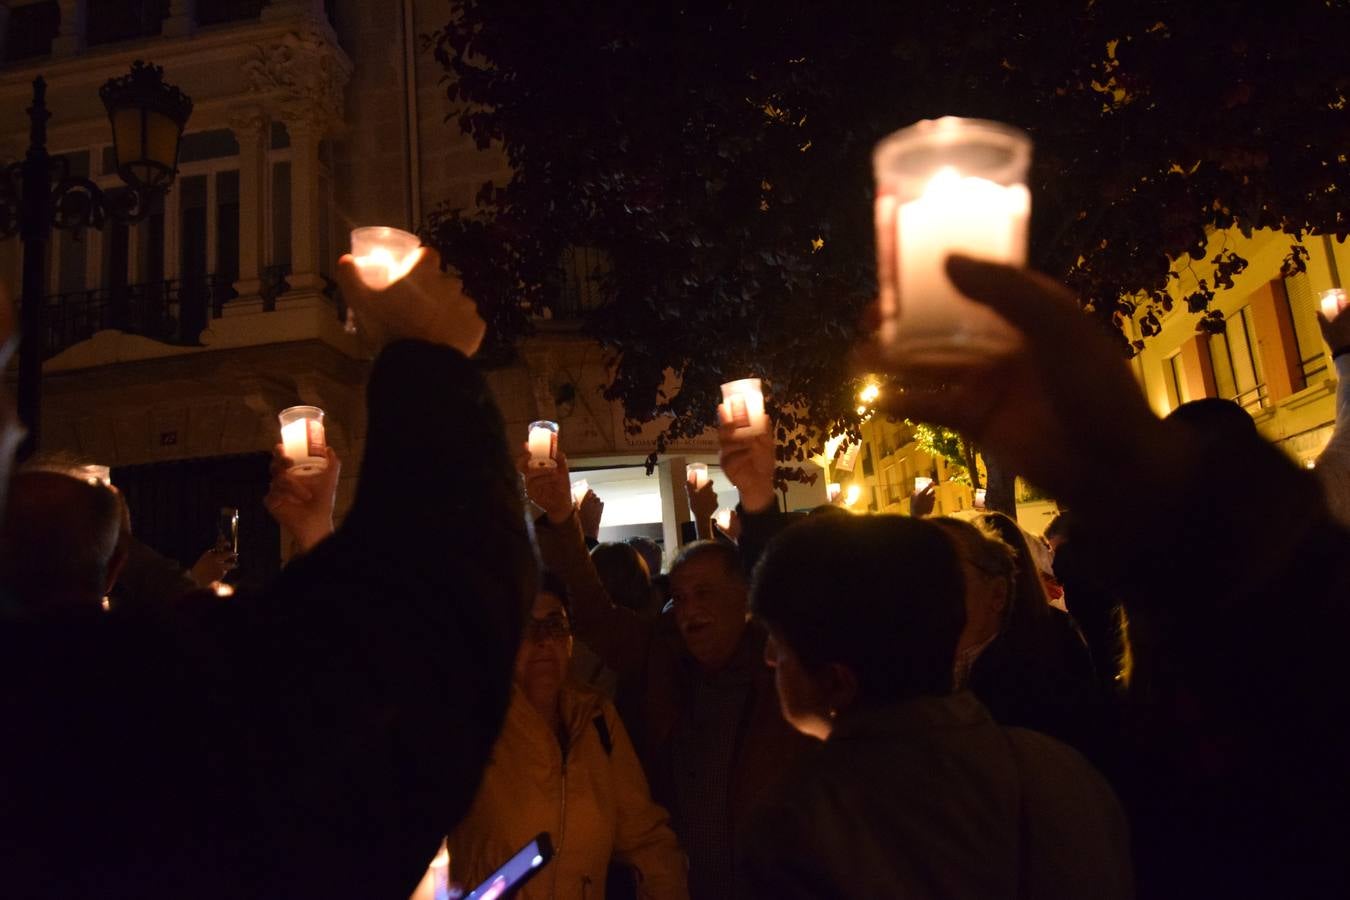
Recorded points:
(807, 705)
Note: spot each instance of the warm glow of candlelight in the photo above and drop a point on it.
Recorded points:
(543, 444)
(95, 474)
(697, 475)
(1332, 302)
(723, 518)
(222, 589)
(921, 484)
(303, 439)
(743, 407)
(832, 492)
(384, 255)
(579, 489)
(853, 495)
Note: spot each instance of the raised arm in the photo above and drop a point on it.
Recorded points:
(1333, 464)
(386, 651)
(618, 635)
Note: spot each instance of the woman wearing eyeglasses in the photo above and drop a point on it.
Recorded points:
(564, 764)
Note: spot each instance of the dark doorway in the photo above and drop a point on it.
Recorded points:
(175, 506)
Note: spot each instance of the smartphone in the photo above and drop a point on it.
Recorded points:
(227, 529)
(515, 871)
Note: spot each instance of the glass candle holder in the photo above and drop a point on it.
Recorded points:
(697, 475)
(543, 444)
(579, 489)
(1332, 302)
(947, 186)
(922, 484)
(382, 255)
(723, 518)
(302, 439)
(832, 492)
(743, 405)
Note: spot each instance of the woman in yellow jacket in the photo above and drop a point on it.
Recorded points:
(564, 764)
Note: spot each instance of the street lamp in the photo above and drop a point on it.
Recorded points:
(147, 117)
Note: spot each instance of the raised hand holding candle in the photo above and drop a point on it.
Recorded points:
(579, 489)
(743, 405)
(723, 519)
(921, 484)
(382, 255)
(947, 186)
(1332, 302)
(543, 444)
(832, 491)
(697, 475)
(95, 474)
(302, 439)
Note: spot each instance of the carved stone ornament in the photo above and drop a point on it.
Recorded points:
(304, 76)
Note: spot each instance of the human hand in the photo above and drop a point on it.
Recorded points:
(1336, 331)
(921, 503)
(549, 489)
(702, 501)
(589, 511)
(212, 566)
(749, 463)
(427, 305)
(303, 504)
(1060, 409)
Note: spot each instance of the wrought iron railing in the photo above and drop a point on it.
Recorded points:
(175, 311)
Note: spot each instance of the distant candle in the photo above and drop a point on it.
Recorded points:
(543, 444)
(723, 519)
(697, 475)
(743, 405)
(832, 492)
(1333, 301)
(579, 489)
(979, 498)
(303, 439)
(95, 474)
(921, 484)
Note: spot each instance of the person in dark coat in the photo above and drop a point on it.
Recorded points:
(316, 740)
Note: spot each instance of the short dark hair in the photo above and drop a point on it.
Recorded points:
(726, 554)
(1061, 526)
(649, 550)
(882, 595)
(1215, 419)
(624, 574)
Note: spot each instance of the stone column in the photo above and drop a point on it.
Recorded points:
(69, 38)
(250, 128)
(305, 136)
(674, 502)
(182, 18)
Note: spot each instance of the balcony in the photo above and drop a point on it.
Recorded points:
(173, 312)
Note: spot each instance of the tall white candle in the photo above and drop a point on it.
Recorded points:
(832, 491)
(303, 440)
(1332, 301)
(743, 403)
(723, 518)
(543, 444)
(943, 187)
(579, 489)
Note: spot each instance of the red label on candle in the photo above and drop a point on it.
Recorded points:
(553, 445)
(314, 438)
(740, 416)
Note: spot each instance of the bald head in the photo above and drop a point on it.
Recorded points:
(59, 541)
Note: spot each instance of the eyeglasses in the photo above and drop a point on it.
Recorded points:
(549, 629)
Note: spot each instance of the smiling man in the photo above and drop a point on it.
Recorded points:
(708, 728)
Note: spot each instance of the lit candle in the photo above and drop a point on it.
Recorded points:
(947, 186)
(579, 489)
(95, 474)
(979, 498)
(1333, 301)
(853, 495)
(382, 255)
(743, 405)
(302, 439)
(832, 492)
(697, 475)
(723, 518)
(921, 484)
(222, 589)
(543, 444)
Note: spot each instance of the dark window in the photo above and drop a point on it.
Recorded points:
(150, 243)
(281, 138)
(175, 507)
(1303, 311)
(207, 145)
(281, 214)
(227, 228)
(30, 30)
(218, 12)
(109, 166)
(111, 21)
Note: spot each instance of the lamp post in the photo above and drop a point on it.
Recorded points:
(38, 194)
